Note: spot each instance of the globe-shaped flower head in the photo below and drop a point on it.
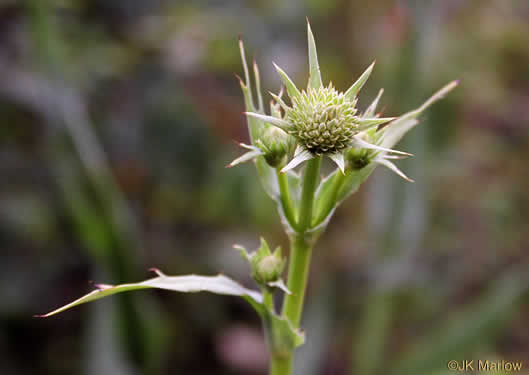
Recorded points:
(322, 120)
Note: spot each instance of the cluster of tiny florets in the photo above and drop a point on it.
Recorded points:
(322, 120)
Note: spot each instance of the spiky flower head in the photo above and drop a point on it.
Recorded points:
(323, 120)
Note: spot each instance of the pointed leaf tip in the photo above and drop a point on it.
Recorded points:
(314, 67)
(290, 86)
(298, 159)
(352, 92)
(280, 123)
(188, 283)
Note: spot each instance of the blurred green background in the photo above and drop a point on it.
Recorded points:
(118, 117)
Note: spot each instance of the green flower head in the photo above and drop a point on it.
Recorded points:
(321, 121)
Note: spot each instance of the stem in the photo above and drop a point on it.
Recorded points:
(312, 174)
(281, 365)
(298, 268)
(286, 199)
(268, 298)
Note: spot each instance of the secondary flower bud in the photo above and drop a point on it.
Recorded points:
(275, 144)
(266, 267)
(269, 269)
(357, 158)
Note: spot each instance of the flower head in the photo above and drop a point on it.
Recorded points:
(322, 121)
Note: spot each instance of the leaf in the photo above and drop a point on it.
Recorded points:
(328, 191)
(282, 124)
(325, 192)
(388, 164)
(396, 130)
(338, 159)
(297, 160)
(282, 334)
(370, 111)
(352, 92)
(254, 125)
(353, 180)
(360, 143)
(314, 67)
(366, 123)
(291, 88)
(246, 74)
(258, 86)
(188, 284)
(245, 157)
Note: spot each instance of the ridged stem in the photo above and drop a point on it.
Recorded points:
(299, 264)
(286, 199)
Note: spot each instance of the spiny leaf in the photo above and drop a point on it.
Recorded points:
(246, 73)
(355, 88)
(297, 160)
(370, 111)
(396, 130)
(314, 67)
(254, 126)
(283, 335)
(258, 86)
(188, 284)
(338, 160)
(366, 123)
(291, 88)
(282, 124)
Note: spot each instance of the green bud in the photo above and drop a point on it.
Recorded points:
(269, 269)
(266, 266)
(275, 144)
(357, 158)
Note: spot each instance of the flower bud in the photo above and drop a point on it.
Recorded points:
(269, 269)
(357, 158)
(275, 144)
(266, 266)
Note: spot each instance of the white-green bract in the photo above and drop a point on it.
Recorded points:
(324, 122)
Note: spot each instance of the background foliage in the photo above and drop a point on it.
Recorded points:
(117, 118)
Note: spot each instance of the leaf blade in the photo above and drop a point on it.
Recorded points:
(219, 284)
(314, 67)
(355, 88)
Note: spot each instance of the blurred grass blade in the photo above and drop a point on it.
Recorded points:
(463, 333)
(372, 333)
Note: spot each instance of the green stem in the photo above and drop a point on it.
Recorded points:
(299, 264)
(310, 181)
(281, 365)
(286, 199)
(298, 270)
(268, 299)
